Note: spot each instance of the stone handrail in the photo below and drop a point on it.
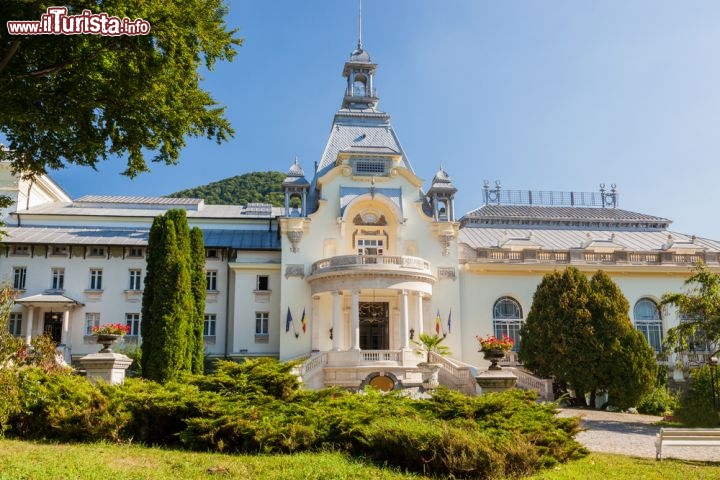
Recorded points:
(311, 365)
(528, 381)
(462, 374)
(380, 355)
(343, 261)
(494, 255)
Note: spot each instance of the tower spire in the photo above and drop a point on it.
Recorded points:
(359, 24)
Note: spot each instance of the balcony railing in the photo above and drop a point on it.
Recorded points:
(372, 261)
(492, 255)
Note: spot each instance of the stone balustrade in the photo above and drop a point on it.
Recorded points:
(491, 255)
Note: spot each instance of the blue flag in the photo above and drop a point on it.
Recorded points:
(288, 321)
(450, 321)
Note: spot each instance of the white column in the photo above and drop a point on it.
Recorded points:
(420, 320)
(356, 319)
(65, 327)
(314, 323)
(28, 329)
(337, 319)
(404, 332)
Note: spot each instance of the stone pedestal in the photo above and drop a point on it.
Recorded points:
(108, 367)
(493, 381)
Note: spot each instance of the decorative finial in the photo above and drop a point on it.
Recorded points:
(296, 159)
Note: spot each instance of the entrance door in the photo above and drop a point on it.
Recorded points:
(374, 325)
(53, 326)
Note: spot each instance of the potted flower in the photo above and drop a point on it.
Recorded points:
(429, 371)
(494, 348)
(109, 333)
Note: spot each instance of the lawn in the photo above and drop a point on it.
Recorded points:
(105, 461)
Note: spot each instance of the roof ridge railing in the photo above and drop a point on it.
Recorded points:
(498, 196)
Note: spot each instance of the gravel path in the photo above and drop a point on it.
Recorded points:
(628, 434)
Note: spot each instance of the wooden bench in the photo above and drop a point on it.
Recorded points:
(686, 437)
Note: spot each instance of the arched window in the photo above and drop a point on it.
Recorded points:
(508, 319)
(648, 321)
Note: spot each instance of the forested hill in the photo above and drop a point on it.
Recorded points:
(254, 187)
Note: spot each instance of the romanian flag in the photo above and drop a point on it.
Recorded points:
(288, 321)
(303, 322)
(437, 322)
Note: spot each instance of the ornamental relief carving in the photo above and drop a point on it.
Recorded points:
(295, 270)
(294, 236)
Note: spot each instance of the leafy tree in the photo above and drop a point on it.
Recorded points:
(579, 333)
(253, 187)
(700, 308)
(169, 306)
(77, 99)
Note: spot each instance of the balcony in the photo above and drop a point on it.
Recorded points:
(371, 271)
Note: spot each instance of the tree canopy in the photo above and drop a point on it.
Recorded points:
(77, 99)
(579, 333)
(699, 308)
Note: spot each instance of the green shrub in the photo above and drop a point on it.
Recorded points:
(696, 406)
(658, 402)
(10, 395)
(63, 407)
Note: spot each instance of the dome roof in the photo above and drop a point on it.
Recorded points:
(360, 55)
(295, 170)
(441, 182)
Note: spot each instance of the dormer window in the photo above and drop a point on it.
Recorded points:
(370, 166)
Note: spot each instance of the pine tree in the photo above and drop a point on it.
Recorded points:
(168, 301)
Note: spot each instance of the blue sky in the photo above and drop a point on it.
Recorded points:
(542, 95)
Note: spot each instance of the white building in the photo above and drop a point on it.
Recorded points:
(366, 262)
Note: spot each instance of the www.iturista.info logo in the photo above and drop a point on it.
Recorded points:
(57, 22)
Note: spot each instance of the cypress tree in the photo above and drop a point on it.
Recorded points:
(168, 301)
(199, 289)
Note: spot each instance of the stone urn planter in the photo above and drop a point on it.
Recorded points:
(429, 371)
(107, 340)
(494, 355)
(430, 374)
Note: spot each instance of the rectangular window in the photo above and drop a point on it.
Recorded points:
(135, 279)
(19, 277)
(211, 280)
(210, 322)
(58, 278)
(97, 251)
(91, 320)
(261, 323)
(15, 323)
(263, 282)
(58, 250)
(370, 246)
(95, 279)
(21, 250)
(135, 252)
(212, 253)
(132, 320)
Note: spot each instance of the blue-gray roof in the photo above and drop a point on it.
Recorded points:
(237, 239)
